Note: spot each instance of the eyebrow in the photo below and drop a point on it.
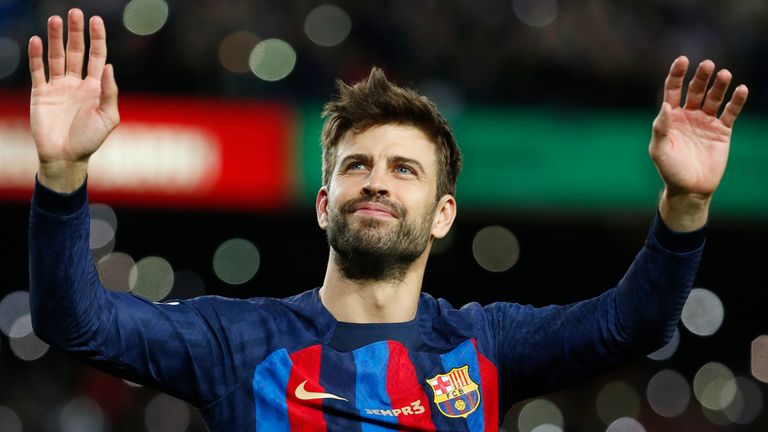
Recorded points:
(391, 160)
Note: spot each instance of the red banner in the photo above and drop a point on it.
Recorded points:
(170, 152)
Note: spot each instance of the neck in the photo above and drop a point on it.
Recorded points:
(373, 301)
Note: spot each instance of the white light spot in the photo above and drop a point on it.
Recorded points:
(668, 393)
(22, 327)
(667, 350)
(166, 414)
(539, 412)
(13, 306)
(81, 415)
(327, 25)
(703, 312)
(28, 348)
(10, 56)
(714, 386)
(115, 270)
(616, 400)
(9, 420)
(236, 261)
(535, 13)
(625, 424)
(272, 59)
(145, 17)
(151, 278)
(547, 428)
(495, 248)
(758, 359)
(103, 225)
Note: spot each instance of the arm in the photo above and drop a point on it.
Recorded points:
(544, 349)
(182, 349)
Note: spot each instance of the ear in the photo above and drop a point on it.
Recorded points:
(321, 207)
(444, 216)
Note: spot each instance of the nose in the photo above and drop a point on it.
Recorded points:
(376, 183)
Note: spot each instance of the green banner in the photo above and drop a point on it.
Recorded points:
(580, 161)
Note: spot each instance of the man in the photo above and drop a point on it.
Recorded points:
(366, 351)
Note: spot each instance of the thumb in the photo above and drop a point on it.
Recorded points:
(661, 123)
(108, 103)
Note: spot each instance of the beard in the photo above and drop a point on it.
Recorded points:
(372, 249)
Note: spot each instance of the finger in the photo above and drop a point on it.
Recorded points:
(75, 43)
(734, 106)
(36, 65)
(698, 85)
(97, 56)
(716, 93)
(109, 93)
(673, 85)
(55, 47)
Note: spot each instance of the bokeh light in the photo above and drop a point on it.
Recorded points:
(495, 248)
(536, 13)
(151, 278)
(272, 59)
(22, 327)
(667, 350)
(81, 415)
(28, 347)
(547, 428)
(616, 400)
(236, 261)
(10, 56)
(714, 386)
(539, 412)
(327, 25)
(747, 404)
(235, 50)
(103, 225)
(145, 17)
(625, 424)
(668, 393)
(115, 271)
(12, 307)
(9, 420)
(166, 414)
(758, 358)
(703, 312)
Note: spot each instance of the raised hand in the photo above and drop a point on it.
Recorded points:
(70, 116)
(690, 143)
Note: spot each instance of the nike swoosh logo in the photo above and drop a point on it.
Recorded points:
(308, 395)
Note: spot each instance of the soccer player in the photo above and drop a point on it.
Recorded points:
(366, 351)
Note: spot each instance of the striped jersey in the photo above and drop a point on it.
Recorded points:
(265, 364)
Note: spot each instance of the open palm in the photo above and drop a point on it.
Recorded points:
(690, 144)
(71, 116)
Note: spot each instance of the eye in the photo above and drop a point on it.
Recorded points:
(355, 165)
(403, 169)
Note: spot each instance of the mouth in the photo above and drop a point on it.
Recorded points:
(375, 210)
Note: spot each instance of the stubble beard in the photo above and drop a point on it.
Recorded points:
(371, 249)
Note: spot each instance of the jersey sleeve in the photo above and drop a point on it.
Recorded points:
(543, 349)
(182, 348)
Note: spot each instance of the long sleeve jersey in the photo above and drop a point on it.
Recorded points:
(270, 364)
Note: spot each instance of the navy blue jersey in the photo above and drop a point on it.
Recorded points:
(286, 364)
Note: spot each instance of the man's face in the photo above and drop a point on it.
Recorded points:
(380, 207)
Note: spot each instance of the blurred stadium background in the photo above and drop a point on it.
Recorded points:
(208, 185)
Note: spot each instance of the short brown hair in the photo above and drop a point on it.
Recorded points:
(376, 101)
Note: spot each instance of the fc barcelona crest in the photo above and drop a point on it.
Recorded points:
(456, 395)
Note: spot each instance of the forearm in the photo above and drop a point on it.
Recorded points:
(65, 293)
(684, 212)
